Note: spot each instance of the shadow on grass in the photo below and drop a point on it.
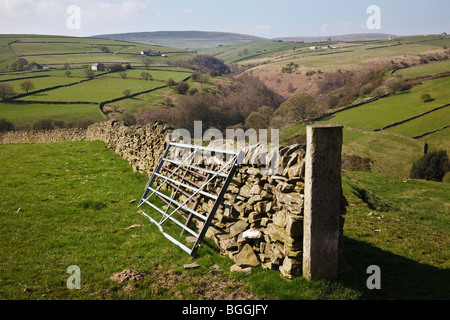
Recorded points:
(401, 278)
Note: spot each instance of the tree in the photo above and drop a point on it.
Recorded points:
(145, 75)
(6, 91)
(170, 82)
(89, 73)
(19, 65)
(123, 75)
(146, 61)
(182, 87)
(432, 166)
(68, 73)
(299, 106)
(126, 92)
(27, 86)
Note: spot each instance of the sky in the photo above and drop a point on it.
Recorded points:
(264, 18)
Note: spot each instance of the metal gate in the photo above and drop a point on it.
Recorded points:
(187, 181)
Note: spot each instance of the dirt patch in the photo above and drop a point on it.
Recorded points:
(127, 275)
(163, 283)
(204, 287)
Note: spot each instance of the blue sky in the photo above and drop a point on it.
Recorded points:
(265, 18)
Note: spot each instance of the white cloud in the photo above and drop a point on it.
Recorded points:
(324, 27)
(187, 10)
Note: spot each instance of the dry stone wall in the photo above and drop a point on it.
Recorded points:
(58, 135)
(261, 222)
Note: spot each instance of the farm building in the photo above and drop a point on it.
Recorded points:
(98, 67)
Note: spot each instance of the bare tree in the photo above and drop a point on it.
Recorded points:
(6, 91)
(27, 86)
(146, 61)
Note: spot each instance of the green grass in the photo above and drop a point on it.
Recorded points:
(348, 55)
(403, 227)
(58, 50)
(41, 83)
(68, 204)
(426, 69)
(24, 115)
(438, 140)
(395, 108)
(391, 156)
(429, 122)
(157, 74)
(97, 90)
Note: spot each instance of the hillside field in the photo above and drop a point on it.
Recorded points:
(72, 203)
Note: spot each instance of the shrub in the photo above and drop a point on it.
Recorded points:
(5, 125)
(146, 75)
(114, 67)
(170, 82)
(397, 84)
(446, 178)
(432, 166)
(381, 91)
(426, 97)
(182, 87)
(129, 119)
(44, 124)
(126, 92)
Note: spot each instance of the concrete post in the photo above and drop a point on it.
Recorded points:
(322, 201)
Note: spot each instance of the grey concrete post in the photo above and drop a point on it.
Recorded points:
(322, 201)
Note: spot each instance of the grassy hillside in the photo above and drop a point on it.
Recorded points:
(404, 115)
(398, 107)
(69, 204)
(346, 55)
(79, 53)
(57, 50)
(191, 40)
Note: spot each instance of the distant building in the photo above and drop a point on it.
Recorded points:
(324, 47)
(35, 66)
(98, 67)
(313, 48)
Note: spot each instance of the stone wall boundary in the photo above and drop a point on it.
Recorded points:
(262, 220)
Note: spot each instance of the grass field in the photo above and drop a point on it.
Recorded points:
(69, 204)
(346, 56)
(425, 69)
(391, 156)
(24, 115)
(438, 140)
(97, 90)
(395, 108)
(58, 50)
